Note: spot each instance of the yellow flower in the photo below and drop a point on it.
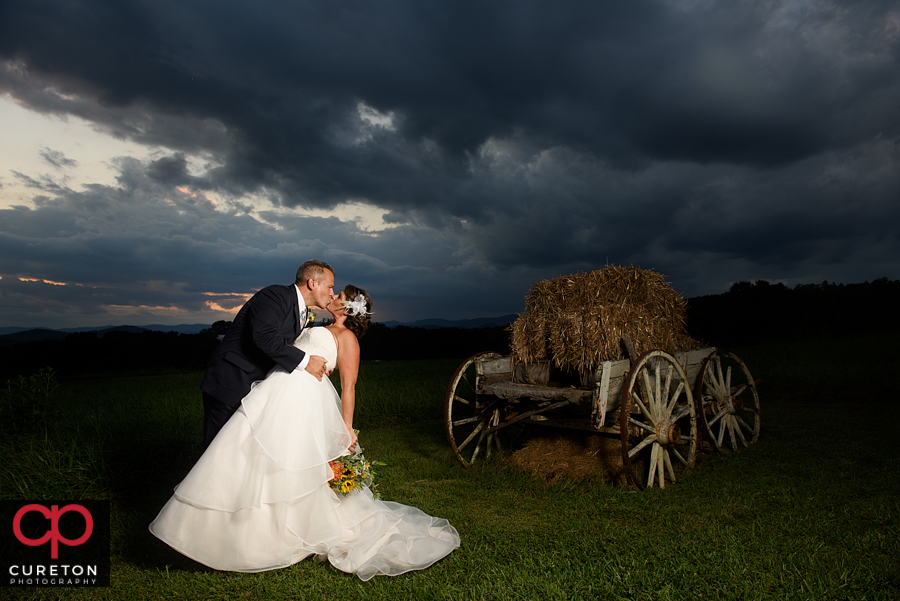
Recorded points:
(347, 486)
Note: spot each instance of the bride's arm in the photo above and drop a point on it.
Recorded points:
(348, 367)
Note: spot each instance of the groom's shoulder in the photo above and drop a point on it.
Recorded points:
(276, 290)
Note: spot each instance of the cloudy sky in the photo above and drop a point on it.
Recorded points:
(160, 160)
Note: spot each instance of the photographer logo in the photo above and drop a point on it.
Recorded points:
(55, 543)
(53, 514)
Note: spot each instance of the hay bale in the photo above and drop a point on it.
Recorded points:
(572, 458)
(529, 340)
(578, 320)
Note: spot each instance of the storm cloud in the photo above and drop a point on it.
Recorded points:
(501, 143)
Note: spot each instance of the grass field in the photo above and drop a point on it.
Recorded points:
(810, 512)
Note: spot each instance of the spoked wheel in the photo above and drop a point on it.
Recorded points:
(468, 415)
(730, 404)
(657, 421)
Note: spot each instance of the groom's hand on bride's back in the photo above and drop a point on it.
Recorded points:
(316, 366)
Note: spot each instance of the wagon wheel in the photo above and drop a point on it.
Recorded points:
(468, 415)
(727, 393)
(657, 421)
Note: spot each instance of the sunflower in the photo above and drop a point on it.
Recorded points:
(347, 486)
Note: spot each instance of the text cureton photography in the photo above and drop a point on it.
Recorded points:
(55, 543)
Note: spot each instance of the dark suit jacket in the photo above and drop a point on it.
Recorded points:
(261, 335)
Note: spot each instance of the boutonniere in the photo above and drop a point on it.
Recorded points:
(310, 317)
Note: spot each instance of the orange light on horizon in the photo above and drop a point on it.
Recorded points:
(239, 298)
(51, 282)
(244, 295)
(130, 308)
(217, 307)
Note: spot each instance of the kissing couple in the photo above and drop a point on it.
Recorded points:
(259, 497)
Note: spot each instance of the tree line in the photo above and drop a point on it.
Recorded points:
(756, 312)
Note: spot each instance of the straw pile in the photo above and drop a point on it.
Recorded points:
(577, 321)
(577, 456)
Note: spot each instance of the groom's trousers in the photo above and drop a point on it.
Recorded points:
(215, 414)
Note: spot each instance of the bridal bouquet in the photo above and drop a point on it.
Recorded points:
(352, 472)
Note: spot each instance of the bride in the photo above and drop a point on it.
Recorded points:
(258, 498)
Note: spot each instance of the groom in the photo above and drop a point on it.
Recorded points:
(261, 336)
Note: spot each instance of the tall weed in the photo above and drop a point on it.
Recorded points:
(25, 403)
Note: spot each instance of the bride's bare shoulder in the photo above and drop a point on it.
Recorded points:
(344, 336)
(348, 337)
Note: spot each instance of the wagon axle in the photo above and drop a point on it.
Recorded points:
(670, 435)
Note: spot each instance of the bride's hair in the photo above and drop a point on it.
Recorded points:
(358, 323)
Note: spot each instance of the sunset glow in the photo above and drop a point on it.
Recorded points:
(43, 281)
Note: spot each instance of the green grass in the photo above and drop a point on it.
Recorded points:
(810, 512)
(827, 369)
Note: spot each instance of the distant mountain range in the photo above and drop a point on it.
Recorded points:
(481, 322)
(10, 335)
(14, 335)
(181, 329)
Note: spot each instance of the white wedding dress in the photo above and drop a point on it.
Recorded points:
(258, 498)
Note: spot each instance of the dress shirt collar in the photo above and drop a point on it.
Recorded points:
(301, 304)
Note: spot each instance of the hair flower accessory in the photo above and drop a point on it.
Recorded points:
(357, 306)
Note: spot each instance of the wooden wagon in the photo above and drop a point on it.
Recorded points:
(663, 408)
